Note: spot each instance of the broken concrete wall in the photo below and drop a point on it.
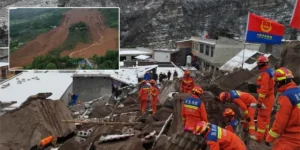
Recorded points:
(89, 88)
(35, 120)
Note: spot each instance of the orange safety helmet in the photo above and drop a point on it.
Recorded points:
(224, 96)
(201, 127)
(197, 90)
(262, 59)
(186, 73)
(283, 74)
(228, 112)
(152, 81)
(144, 82)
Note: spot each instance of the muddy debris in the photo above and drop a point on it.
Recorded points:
(232, 80)
(290, 58)
(100, 111)
(132, 143)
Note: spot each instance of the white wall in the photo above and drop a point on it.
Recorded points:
(162, 56)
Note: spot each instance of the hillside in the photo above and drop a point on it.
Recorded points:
(77, 33)
(153, 22)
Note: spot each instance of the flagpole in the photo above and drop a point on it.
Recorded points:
(245, 40)
(243, 54)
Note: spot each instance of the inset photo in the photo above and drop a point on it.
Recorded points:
(64, 38)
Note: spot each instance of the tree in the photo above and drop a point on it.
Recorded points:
(51, 66)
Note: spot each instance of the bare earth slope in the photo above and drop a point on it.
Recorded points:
(103, 38)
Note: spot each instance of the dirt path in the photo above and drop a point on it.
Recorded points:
(103, 39)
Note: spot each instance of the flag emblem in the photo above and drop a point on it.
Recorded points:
(266, 26)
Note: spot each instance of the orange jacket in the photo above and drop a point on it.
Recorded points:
(193, 111)
(144, 92)
(187, 83)
(46, 141)
(287, 122)
(154, 91)
(218, 138)
(232, 125)
(265, 83)
(242, 99)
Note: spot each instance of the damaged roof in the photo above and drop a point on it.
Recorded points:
(198, 39)
(250, 57)
(55, 82)
(127, 77)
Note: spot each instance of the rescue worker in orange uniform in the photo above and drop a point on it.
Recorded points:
(154, 94)
(286, 126)
(232, 123)
(193, 109)
(46, 141)
(265, 90)
(187, 83)
(243, 100)
(144, 95)
(218, 138)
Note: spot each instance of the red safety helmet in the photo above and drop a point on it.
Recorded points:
(144, 82)
(228, 112)
(186, 73)
(197, 90)
(201, 127)
(262, 59)
(152, 81)
(283, 74)
(224, 96)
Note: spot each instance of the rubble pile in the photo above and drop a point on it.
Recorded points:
(101, 125)
(203, 79)
(36, 119)
(230, 81)
(290, 58)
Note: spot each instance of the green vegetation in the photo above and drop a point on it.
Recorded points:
(54, 62)
(27, 23)
(78, 33)
(109, 61)
(111, 16)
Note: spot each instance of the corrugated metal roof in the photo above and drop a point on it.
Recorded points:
(236, 61)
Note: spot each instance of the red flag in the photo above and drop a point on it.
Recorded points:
(206, 36)
(295, 21)
(263, 30)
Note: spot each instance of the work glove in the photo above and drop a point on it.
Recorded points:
(259, 105)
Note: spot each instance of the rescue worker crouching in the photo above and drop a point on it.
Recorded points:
(231, 122)
(154, 94)
(218, 138)
(243, 100)
(286, 126)
(144, 95)
(193, 109)
(187, 83)
(265, 90)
